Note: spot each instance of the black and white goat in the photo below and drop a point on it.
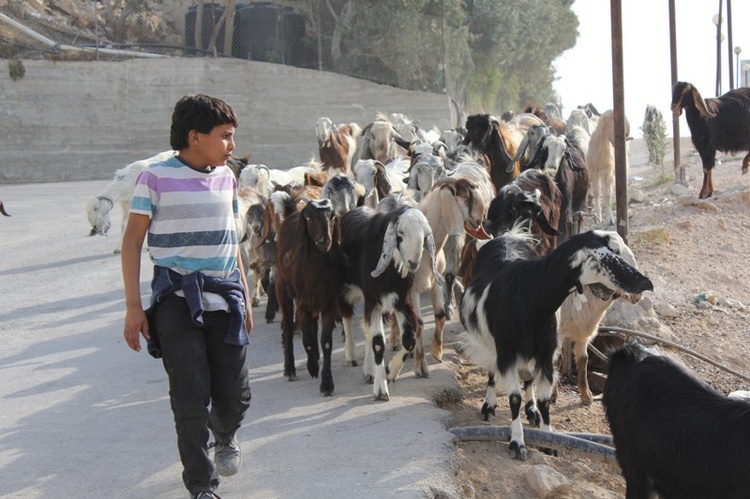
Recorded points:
(533, 199)
(718, 124)
(345, 194)
(530, 143)
(383, 251)
(675, 435)
(567, 165)
(424, 171)
(509, 311)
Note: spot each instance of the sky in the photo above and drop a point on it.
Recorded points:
(585, 71)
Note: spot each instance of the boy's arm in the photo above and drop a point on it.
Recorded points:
(132, 246)
(248, 308)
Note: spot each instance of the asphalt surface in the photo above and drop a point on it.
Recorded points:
(82, 415)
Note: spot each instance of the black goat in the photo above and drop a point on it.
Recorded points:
(383, 251)
(509, 308)
(309, 270)
(674, 434)
(717, 124)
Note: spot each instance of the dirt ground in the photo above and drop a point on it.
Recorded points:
(694, 252)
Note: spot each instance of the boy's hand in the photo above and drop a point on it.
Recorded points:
(136, 324)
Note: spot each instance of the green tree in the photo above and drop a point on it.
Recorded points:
(489, 55)
(514, 43)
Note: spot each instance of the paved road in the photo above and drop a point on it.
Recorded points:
(84, 416)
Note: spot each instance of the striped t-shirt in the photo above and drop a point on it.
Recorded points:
(192, 219)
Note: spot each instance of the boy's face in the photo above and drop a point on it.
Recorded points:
(216, 147)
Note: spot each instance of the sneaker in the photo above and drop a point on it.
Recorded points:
(227, 457)
(205, 495)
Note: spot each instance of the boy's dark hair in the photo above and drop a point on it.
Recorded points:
(198, 112)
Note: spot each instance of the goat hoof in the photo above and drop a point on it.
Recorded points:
(116, 252)
(518, 451)
(355, 363)
(549, 452)
(587, 398)
(437, 352)
(369, 379)
(254, 302)
(487, 410)
(534, 418)
(291, 377)
(326, 388)
(382, 395)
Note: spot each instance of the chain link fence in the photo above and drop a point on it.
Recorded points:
(415, 52)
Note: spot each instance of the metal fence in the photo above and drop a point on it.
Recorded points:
(423, 53)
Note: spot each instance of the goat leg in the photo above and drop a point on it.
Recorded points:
(309, 327)
(707, 190)
(326, 343)
(582, 362)
(490, 401)
(395, 339)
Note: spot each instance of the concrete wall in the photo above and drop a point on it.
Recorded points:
(84, 120)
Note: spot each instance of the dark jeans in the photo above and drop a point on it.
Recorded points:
(202, 369)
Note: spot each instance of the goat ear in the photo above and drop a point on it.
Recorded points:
(520, 152)
(700, 104)
(429, 245)
(389, 246)
(447, 184)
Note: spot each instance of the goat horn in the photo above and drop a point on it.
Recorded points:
(2, 209)
(389, 246)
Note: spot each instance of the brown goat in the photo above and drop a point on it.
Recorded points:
(491, 137)
(337, 145)
(309, 271)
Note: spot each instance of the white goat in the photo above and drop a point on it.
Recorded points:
(578, 117)
(601, 163)
(452, 204)
(265, 179)
(383, 179)
(248, 234)
(579, 137)
(120, 190)
(580, 317)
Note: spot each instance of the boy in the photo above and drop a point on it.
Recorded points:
(198, 317)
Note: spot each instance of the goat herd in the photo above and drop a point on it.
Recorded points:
(488, 216)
